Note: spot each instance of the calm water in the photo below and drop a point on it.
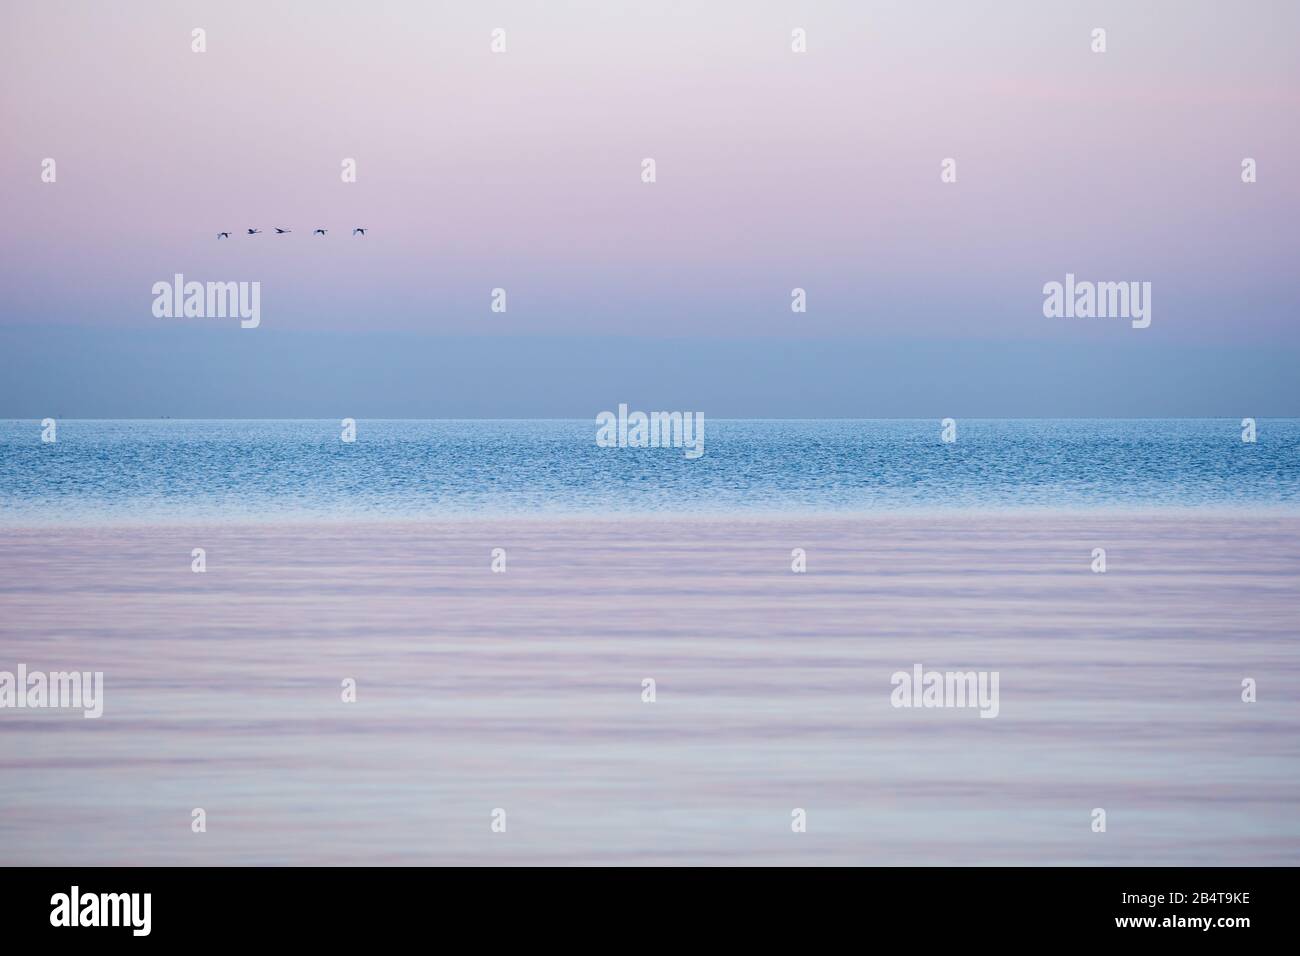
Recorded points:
(173, 470)
(523, 691)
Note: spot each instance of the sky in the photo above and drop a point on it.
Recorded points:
(775, 170)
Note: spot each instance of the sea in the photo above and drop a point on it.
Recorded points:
(501, 594)
(147, 471)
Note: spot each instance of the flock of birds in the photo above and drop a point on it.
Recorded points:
(359, 231)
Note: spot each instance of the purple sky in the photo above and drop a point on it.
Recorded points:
(775, 170)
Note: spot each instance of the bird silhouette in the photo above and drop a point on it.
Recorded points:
(253, 232)
(319, 232)
(358, 230)
(281, 232)
(223, 235)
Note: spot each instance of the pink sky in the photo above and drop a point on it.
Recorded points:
(775, 170)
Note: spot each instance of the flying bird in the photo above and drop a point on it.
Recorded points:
(281, 232)
(319, 232)
(253, 232)
(223, 235)
(358, 230)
